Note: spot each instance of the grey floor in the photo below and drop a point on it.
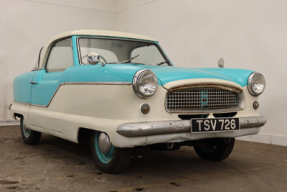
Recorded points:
(59, 165)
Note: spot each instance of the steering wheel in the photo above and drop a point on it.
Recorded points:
(94, 58)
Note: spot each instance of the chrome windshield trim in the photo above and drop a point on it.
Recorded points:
(119, 38)
(76, 83)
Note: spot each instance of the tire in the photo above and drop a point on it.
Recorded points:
(216, 152)
(29, 136)
(115, 161)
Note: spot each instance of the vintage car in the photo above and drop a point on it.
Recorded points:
(120, 91)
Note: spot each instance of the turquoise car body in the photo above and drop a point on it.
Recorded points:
(48, 83)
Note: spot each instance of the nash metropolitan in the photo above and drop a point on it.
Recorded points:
(120, 91)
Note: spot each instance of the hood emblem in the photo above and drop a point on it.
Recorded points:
(203, 99)
(221, 63)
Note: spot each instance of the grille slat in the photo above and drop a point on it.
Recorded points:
(201, 99)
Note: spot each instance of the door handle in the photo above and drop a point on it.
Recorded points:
(33, 82)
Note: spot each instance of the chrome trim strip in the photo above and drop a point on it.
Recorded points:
(119, 38)
(36, 105)
(76, 83)
(177, 126)
(21, 103)
(99, 83)
(207, 85)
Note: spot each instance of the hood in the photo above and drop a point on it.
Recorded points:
(168, 74)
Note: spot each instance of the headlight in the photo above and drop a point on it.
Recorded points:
(256, 84)
(145, 83)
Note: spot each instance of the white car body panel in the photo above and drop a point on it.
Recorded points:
(105, 107)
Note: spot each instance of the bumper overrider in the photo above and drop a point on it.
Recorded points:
(176, 126)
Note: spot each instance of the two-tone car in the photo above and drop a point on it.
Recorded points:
(120, 91)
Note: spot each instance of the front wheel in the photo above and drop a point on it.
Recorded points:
(29, 136)
(108, 158)
(216, 151)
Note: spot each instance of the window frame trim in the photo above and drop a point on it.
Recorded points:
(119, 38)
(52, 46)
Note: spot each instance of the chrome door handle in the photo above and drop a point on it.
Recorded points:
(33, 82)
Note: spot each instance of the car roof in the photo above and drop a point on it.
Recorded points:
(104, 34)
(101, 33)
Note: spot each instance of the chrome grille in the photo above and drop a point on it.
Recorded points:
(201, 99)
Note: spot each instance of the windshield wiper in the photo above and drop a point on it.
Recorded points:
(163, 62)
(126, 61)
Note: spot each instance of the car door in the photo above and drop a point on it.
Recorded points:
(46, 85)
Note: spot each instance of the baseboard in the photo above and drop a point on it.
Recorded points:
(266, 138)
(9, 123)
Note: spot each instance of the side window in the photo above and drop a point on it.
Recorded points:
(61, 56)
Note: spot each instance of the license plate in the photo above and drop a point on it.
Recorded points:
(209, 125)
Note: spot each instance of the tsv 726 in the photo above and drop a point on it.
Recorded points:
(202, 125)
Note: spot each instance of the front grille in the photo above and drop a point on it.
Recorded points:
(201, 99)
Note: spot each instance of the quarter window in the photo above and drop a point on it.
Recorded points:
(61, 56)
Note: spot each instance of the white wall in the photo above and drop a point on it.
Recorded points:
(248, 34)
(25, 26)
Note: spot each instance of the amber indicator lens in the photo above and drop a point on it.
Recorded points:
(145, 108)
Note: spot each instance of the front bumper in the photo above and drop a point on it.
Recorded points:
(177, 126)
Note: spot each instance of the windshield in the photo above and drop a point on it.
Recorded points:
(122, 51)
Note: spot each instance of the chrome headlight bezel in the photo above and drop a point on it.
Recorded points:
(251, 82)
(136, 83)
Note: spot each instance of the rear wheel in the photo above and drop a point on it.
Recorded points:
(108, 158)
(216, 151)
(29, 136)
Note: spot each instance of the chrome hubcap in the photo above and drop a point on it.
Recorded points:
(104, 143)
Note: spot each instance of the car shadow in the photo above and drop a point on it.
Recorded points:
(142, 160)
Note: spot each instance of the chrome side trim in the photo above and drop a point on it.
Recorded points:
(177, 126)
(36, 105)
(22, 103)
(98, 83)
(76, 83)
(45, 106)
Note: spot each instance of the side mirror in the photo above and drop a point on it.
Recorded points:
(93, 58)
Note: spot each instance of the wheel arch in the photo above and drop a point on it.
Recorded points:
(84, 135)
(15, 115)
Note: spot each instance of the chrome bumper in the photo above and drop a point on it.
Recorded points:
(177, 126)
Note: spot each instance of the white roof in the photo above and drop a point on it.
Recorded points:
(91, 32)
(103, 33)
